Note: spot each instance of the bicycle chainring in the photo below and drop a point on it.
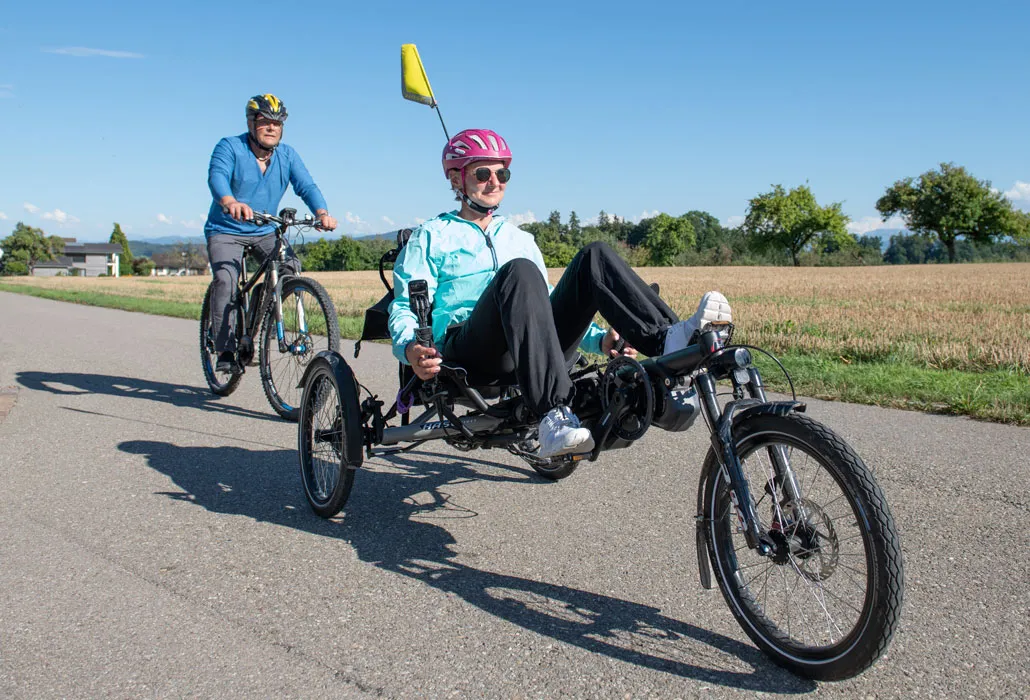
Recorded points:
(625, 376)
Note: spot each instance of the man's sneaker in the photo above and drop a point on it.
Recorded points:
(713, 308)
(560, 433)
(227, 363)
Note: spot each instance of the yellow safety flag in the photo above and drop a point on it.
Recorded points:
(414, 82)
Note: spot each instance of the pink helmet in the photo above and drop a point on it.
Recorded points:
(472, 145)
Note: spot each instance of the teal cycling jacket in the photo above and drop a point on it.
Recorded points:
(458, 260)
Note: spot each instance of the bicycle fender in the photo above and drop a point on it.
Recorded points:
(349, 403)
(776, 408)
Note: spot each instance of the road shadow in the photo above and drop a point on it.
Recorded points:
(396, 520)
(77, 383)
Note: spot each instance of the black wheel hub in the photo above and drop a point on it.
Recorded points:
(806, 536)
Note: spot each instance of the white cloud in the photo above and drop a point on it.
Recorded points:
(83, 52)
(523, 218)
(30, 208)
(732, 221)
(353, 219)
(192, 223)
(163, 219)
(389, 221)
(419, 221)
(6, 90)
(871, 223)
(646, 215)
(3, 217)
(1020, 194)
(61, 217)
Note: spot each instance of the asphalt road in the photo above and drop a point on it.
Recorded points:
(155, 541)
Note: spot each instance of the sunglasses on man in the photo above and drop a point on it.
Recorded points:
(483, 174)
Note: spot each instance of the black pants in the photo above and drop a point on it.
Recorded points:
(514, 327)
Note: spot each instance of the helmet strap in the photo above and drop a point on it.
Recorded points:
(256, 145)
(476, 206)
(472, 204)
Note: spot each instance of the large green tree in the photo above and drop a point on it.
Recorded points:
(125, 260)
(949, 203)
(666, 237)
(791, 221)
(27, 246)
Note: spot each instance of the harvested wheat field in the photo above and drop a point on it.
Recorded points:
(966, 317)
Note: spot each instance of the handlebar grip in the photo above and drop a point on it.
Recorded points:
(418, 301)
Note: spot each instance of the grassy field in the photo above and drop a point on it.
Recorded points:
(948, 338)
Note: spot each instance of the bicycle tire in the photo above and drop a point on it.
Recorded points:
(280, 383)
(747, 593)
(329, 438)
(209, 357)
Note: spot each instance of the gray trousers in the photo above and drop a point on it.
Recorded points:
(225, 251)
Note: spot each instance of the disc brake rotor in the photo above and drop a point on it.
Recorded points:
(809, 540)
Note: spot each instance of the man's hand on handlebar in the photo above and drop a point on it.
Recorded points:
(324, 220)
(424, 361)
(237, 210)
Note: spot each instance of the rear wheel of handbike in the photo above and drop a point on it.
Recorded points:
(328, 427)
(827, 601)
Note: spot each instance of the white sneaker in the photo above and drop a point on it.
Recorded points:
(713, 308)
(561, 434)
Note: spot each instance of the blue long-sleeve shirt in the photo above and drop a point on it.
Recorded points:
(234, 171)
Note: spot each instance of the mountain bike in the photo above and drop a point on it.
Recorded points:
(789, 518)
(294, 315)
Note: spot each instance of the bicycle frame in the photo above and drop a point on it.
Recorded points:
(708, 361)
(250, 318)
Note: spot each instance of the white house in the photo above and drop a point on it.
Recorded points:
(85, 259)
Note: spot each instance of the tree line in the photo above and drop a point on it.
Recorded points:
(950, 216)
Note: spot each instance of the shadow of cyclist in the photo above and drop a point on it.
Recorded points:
(392, 521)
(76, 383)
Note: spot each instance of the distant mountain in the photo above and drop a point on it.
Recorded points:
(148, 247)
(170, 240)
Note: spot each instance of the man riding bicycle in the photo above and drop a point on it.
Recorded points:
(249, 173)
(495, 313)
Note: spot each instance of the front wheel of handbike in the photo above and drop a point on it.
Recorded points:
(220, 383)
(827, 600)
(309, 327)
(329, 438)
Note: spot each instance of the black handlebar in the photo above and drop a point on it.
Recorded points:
(286, 218)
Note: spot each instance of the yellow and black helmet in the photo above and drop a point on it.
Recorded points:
(268, 106)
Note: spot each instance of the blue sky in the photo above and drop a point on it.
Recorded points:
(110, 110)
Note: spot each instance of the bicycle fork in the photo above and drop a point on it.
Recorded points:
(300, 345)
(782, 475)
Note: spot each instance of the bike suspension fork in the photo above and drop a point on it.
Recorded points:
(273, 276)
(777, 453)
(722, 442)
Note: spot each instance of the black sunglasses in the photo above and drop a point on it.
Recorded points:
(483, 174)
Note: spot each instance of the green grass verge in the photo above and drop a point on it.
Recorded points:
(1001, 396)
(158, 307)
(998, 395)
